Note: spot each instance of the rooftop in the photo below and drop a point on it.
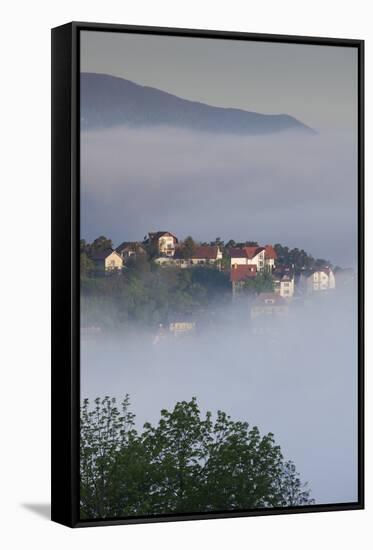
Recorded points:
(242, 272)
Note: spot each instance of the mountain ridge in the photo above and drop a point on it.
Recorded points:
(108, 101)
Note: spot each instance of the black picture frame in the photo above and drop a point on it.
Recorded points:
(65, 269)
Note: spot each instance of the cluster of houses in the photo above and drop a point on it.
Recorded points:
(246, 263)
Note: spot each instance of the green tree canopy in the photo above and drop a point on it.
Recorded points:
(86, 265)
(186, 463)
(188, 247)
(263, 282)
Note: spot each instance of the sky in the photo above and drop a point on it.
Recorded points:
(316, 84)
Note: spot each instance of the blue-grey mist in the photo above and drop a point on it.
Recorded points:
(290, 188)
(299, 383)
(295, 189)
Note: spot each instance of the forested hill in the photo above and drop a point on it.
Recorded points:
(108, 101)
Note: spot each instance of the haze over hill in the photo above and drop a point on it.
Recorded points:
(108, 101)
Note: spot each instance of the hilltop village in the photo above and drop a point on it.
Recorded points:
(272, 276)
(246, 263)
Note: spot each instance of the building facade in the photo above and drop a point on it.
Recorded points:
(164, 241)
(320, 280)
(107, 261)
(251, 255)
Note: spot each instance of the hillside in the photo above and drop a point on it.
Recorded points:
(108, 101)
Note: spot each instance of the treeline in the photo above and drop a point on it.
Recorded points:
(298, 258)
(187, 463)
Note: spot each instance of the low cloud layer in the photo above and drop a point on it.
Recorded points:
(294, 189)
(300, 384)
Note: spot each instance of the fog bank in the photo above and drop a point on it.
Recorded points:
(299, 382)
(295, 189)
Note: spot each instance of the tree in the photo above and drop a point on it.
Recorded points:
(299, 259)
(185, 463)
(263, 282)
(247, 243)
(102, 243)
(86, 265)
(151, 247)
(84, 247)
(138, 264)
(105, 432)
(217, 242)
(188, 248)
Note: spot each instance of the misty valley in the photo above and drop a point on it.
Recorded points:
(217, 373)
(262, 333)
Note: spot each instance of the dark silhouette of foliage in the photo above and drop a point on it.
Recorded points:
(186, 463)
(297, 258)
(188, 248)
(101, 243)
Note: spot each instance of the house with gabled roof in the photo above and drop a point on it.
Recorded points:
(206, 255)
(283, 281)
(164, 241)
(130, 248)
(106, 260)
(319, 279)
(248, 255)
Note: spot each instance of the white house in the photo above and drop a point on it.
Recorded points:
(206, 255)
(320, 279)
(283, 280)
(165, 241)
(269, 305)
(107, 260)
(210, 255)
(173, 261)
(238, 256)
(248, 255)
